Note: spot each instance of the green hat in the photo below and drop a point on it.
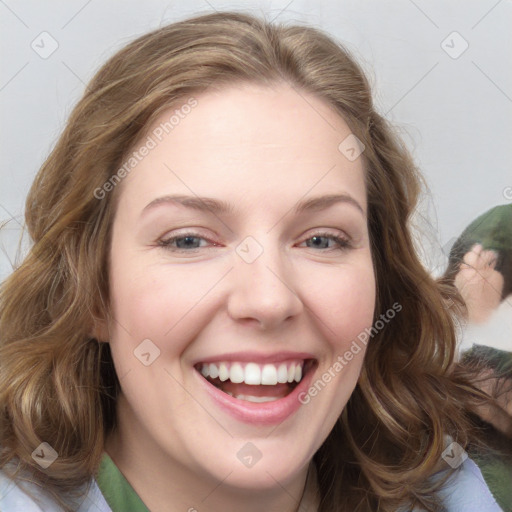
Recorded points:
(493, 229)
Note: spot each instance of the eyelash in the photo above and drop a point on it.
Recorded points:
(343, 243)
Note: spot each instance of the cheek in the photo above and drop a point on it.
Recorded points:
(344, 301)
(156, 302)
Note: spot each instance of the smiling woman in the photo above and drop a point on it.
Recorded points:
(160, 338)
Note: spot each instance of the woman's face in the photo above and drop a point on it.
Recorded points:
(215, 311)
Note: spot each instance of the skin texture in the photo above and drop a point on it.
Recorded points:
(262, 149)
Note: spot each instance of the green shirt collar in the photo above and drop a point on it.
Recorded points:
(116, 490)
(121, 497)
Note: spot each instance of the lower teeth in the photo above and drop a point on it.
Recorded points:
(249, 398)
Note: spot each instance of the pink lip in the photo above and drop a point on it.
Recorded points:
(256, 357)
(266, 413)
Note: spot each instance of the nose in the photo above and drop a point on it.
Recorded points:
(262, 289)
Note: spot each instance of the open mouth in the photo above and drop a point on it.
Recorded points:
(253, 382)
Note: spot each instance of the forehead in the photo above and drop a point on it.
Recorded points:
(246, 141)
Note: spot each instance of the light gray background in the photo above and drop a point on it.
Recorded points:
(454, 113)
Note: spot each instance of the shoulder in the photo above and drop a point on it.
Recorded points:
(467, 491)
(14, 498)
(464, 491)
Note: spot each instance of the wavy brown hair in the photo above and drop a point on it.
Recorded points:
(57, 380)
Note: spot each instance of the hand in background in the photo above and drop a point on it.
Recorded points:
(479, 283)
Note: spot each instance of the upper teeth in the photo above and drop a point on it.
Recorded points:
(253, 373)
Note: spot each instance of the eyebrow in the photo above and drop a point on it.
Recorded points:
(219, 207)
